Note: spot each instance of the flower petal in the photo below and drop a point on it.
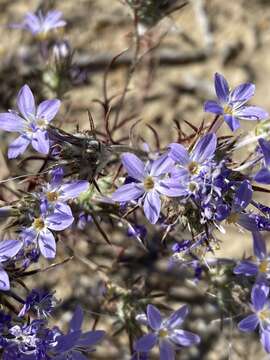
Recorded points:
(265, 340)
(179, 154)
(263, 176)
(128, 192)
(205, 148)
(145, 343)
(133, 165)
(53, 20)
(265, 146)
(47, 245)
(162, 165)
(242, 93)
(221, 87)
(59, 221)
(151, 206)
(26, 103)
(40, 142)
(73, 190)
(154, 317)
(259, 296)
(213, 107)
(232, 121)
(243, 195)
(9, 248)
(249, 323)
(259, 245)
(184, 338)
(11, 122)
(91, 338)
(4, 280)
(251, 113)
(177, 317)
(246, 268)
(172, 187)
(166, 350)
(17, 147)
(76, 321)
(48, 109)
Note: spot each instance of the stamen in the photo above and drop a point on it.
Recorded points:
(149, 183)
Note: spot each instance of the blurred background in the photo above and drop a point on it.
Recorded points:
(170, 84)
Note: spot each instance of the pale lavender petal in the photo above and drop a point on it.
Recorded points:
(166, 350)
(63, 208)
(259, 245)
(265, 340)
(204, 148)
(184, 338)
(73, 190)
(243, 195)
(4, 280)
(145, 343)
(179, 154)
(59, 221)
(133, 165)
(162, 165)
(17, 147)
(26, 103)
(31, 22)
(251, 113)
(246, 268)
(177, 317)
(265, 146)
(151, 206)
(154, 317)
(48, 109)
(11, 122)
(249, 323)
(53, 20)
(242, 93)
(172, 187)
(47, 245)
(263, 176)
(213, 107)
(221, 87)
(232, 121)
(128, 192)
(41, 142)
(9, 248)
(258, 297)
(76, 321)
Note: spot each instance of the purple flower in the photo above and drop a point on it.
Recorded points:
(260, 307)
(56, 193)
(263, 175)
(165, 333)
(31, 123)
(186, 177)
(40, 230)
(258, 266)
(40, 301)
(146, 185)
(231, 103)
(40, 24)
(73, 344)
(8, 249)
(237, 213)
